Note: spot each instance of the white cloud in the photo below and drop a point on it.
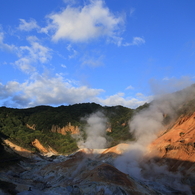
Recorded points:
(136, 41)
(132, 10)
(92, 61)
(82, 24)
(8, 89)
(70, 49)
(63, 66)
(24, 65)
(30, 55)
(118, 99)
(70, 1)
(166, 78)
(28, 26)
(4, 46)
(43, 90)
(129, 87)
(139, 95)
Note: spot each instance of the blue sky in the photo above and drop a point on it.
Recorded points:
(110, 52)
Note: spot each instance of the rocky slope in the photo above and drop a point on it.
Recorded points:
(93, 171)
(178, 142)
(85, 172)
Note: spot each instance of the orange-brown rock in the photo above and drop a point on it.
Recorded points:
(36, 143)
(178, 142)
(114, 151)
(109, 130)
(19, 150)
(33, 127)
(69, 128)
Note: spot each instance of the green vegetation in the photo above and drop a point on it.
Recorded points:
(15, 124)
(23, 126)
(119, 117)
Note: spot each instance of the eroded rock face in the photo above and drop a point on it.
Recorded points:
(33, 127)
(175, 149)
(36, 143)
(69, 128)
(49, 151)
(178, 142)
(19, 150)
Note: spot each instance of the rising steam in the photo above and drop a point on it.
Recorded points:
(96, 132)
(145, 126)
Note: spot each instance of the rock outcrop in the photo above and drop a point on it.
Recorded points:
(33, 127)
(178, 142)
(19, 150)
(69, 128)
(44, 150)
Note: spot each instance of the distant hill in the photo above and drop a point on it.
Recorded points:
(53, 126)
(58, 129)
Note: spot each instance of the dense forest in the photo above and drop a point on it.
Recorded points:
(15, 124)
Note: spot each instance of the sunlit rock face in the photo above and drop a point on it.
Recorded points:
(178, 142)
(64, 130)
(175, 149)
(48, 151)
(19, 150)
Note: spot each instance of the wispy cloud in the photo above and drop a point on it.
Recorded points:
(136, 41)
(132, 10)
(70, 49)
(63, 66)
(24, 64)
(5, 46)
(30, 55)
(83, 24)
(70, 2)
(129, 87)
(92, 61)
(28, 26)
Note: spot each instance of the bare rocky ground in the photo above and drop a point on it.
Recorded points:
(89, 172)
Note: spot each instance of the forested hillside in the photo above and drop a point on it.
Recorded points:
(23, 126)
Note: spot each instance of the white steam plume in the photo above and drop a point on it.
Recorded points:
(96, 132)
(145, 126)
